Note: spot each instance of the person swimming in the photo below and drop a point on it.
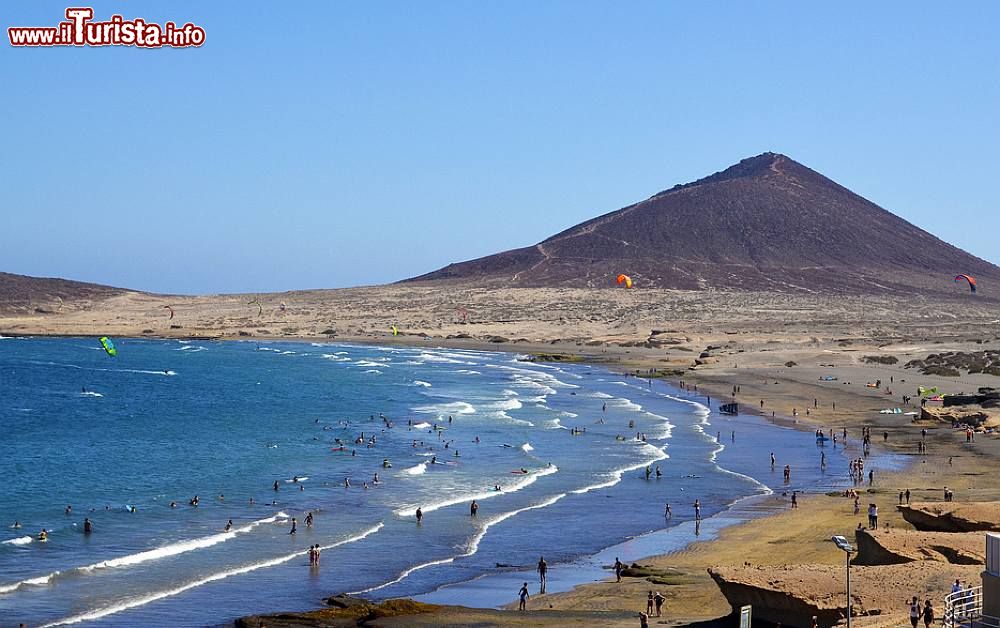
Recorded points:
(43, 535)
(229, 525)
(88, 526)
(194, 500)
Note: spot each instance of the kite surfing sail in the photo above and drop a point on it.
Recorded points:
(970, 279)
(109, 347)
(256, 301)
(626, 280)
(167, 307)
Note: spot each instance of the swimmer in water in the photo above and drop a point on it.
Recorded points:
(17, 524)
(309, 519)
(275, 485)
(43, 535)
(229, 525)
(88, 526)
(420, 515)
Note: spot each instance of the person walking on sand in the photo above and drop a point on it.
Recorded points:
(543, 569)
(928, 614)
(619, 567)
(659, 600)
(523, 595)
(649, 604)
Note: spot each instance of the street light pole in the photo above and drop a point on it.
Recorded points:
(842, 543)
(849, 611)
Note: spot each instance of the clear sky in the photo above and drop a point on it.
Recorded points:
(327, 144)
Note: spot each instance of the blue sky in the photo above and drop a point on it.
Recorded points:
(328, 144)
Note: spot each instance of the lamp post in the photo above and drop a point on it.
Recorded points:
(842, 543)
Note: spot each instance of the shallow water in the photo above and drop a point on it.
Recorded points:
(166, 420)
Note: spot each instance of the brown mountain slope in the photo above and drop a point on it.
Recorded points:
(766, 223)
(38, 295)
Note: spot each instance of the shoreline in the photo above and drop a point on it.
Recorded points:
(704, 598)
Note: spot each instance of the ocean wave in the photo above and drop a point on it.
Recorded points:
(442, 358)
(601, 395)
(335, 357)
(21, 540)
(527, 447)
(91, 393)
(507, 404)
(375, 371)
(614, 477)
(369, 363)
(417, 469)
(192, 348)
(418, 382)
(159, 595)
(423, 425)
(165, 551)
(456, 407)
(513, 487)
(468, 372)
(470, 549)
(508, 418)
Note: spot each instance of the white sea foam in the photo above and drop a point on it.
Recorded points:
(192, 348)
(423, 425)
(468, 372)
(601, 395)
(527, 447)
(369, 363)
(417, 469)
(524, 482)
(470, 549)
(21, 540)
(375, 371)
(456, 407)
(507, 404)
(335, 357)
(91, 393)
(165, 551)
(159, 595)
(418, 382)
(614, 477)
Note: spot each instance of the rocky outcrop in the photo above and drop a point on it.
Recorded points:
(893, 547)
(794, 594)
(952, 516)
(965, 415)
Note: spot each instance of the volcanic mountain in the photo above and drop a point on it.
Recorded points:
(766, 223)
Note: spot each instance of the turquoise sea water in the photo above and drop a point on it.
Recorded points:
(166, 420)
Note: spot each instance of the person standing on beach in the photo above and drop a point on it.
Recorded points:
(928, 614)
(420, 515)
(659, 599)
(543, 569)
(914, 612)
(523, 595)
(619, 567)
(873, 516)
(474, 508)
(772, 461)
(666, 511)
(649, 604)
(643, 620)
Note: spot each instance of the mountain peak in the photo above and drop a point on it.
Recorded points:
(767, 223)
